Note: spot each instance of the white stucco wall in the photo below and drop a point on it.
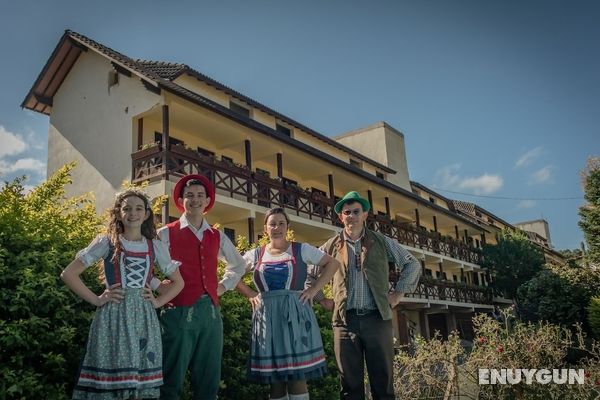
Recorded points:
(383, 144)
(92, 124)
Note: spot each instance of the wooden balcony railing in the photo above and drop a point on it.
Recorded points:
(431, 241)
(433, 289)
(231, 179)
(238, 181)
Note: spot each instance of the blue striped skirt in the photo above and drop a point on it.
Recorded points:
(286, 340)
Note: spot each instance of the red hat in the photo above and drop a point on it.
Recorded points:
(182, 183)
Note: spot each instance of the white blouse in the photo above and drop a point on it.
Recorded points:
(100, 247)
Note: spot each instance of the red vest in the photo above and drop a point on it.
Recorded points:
(198, 263)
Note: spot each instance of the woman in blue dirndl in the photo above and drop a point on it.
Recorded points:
(286, 348)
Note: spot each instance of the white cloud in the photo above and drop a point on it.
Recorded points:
(528, 157)
(484, 184)
(542, 175)
(448, 178)
(10, 143)
(23, 164)
(526, 204)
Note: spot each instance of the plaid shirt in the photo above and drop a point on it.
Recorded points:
(359, 293)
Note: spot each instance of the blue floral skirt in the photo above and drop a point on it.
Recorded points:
(123, 358)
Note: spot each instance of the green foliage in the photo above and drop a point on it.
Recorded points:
(513, 261)
(552, 298)
(590, 212)
(594, 316)
(43, 326)
(443, 369)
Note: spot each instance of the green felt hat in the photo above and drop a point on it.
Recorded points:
(351, 197)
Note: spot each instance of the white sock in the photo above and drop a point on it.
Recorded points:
(279, 398)
(303, 396)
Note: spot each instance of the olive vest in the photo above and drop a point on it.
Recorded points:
(374, 265)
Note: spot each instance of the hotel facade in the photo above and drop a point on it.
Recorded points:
(137, 120)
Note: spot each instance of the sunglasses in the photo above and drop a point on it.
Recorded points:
(354, 212)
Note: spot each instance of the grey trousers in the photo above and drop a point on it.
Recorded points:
(365, 338)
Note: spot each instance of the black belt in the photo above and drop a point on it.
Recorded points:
(361, 311)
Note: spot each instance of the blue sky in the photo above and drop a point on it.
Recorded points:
(495, 98)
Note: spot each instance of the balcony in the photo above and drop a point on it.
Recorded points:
(231, 179)
(237, 181)
(431, 241)
(433, 289)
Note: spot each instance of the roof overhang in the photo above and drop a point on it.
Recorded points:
(41, 94)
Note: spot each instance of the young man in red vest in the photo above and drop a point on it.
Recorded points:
(192, 329)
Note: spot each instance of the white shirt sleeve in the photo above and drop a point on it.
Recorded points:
(311, 255)
(96, 250)
(163, 235)
(236, 265)
(163, 258)
(249, 257)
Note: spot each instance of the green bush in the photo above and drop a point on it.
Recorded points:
(552, 298)
(43, 326)
(594, 316)
(443, 369)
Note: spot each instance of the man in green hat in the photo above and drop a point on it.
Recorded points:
(362, 309)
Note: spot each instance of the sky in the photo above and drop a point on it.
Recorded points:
(498, 101)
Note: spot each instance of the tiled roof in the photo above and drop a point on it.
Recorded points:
(464, 206)
(163, 69)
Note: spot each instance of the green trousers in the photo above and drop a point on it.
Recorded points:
(192, 337)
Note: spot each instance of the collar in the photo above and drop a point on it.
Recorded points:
(347, 239)
(184, 223)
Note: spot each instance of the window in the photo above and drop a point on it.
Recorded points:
(205, 152)
(173, 141)
(263, 193)
(284, 130)
(263, 172)
(431, 200)
(289, 198)
(239, 109)
(380, 175)
(319, 208)
(355, 163)
(227, 159)
(230, 233)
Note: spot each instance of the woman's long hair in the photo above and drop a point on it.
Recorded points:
(115, 226)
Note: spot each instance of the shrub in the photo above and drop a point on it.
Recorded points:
(43, 326)
(441, 369)
(594, 316)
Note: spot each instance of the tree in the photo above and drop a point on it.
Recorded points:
(590, 212)
(43, 326)
(513, 261)
(552, 298)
